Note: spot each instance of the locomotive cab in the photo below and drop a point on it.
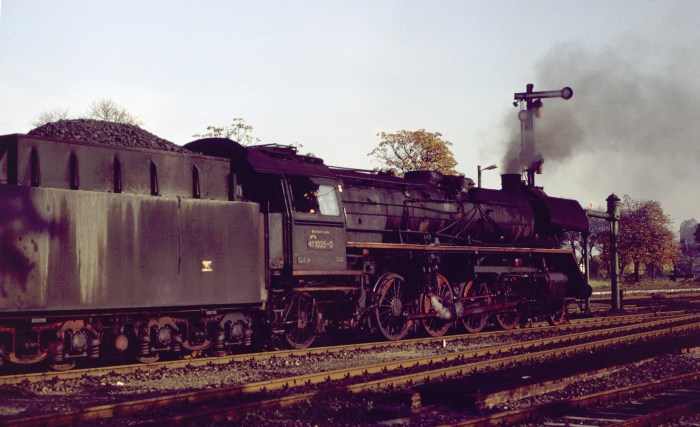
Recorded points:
(307, 269)
(304, 217)
(317, 226)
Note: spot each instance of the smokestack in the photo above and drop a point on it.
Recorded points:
(511, 182)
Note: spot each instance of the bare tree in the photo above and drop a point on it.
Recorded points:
(599, 235)
(238, 130)
(572, 240)
(107, 110)
(50, 116)
(598, 230)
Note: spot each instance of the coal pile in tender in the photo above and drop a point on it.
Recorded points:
(103, 132)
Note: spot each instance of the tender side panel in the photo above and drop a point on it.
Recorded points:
(58, 164)
(74, 250)
(222, 252)
(171, 238)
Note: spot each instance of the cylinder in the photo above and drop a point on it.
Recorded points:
(556, 289)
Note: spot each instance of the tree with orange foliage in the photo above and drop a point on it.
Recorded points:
(646, 239)
(406, 150)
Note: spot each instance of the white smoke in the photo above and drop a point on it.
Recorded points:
(442, 311)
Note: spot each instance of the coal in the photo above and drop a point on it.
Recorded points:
(104, 132)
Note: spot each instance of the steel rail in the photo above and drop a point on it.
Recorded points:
(442, 374)
(527, 414)
(666, 414)
(463, 367)
(125, 369)
(401, 381)
(489, 400)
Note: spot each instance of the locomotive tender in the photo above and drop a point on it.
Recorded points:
(108, 250)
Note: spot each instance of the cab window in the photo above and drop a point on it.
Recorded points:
(304, 195)
(309, 197)
(327, 200)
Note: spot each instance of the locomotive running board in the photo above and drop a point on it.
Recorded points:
(327, 272)
(453, 249)
(327, 289)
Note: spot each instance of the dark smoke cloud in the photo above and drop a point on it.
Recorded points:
(635, 109)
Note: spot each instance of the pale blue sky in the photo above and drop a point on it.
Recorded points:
(330, 75)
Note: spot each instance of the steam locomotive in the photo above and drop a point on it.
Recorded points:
(108, 250)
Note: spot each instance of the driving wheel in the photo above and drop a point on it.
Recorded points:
(390, 311)
(438, 325)
(301, 321)
(475, 323)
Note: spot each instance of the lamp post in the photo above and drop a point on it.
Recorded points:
(478, 172)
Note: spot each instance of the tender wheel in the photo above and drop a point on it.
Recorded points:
(475, 323)
(508, 320)
(390, 310)
(197, 339)
(301, 320)
(61, 367)
(148, 359)
(557, 317)
(145, 355)
(438, 326)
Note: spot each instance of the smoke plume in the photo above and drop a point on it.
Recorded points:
(633, 118)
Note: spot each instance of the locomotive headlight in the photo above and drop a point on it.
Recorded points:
(340, 188)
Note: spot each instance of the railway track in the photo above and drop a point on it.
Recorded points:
(96, 371)
(646, 299)
(385, 376)
(670, 398)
